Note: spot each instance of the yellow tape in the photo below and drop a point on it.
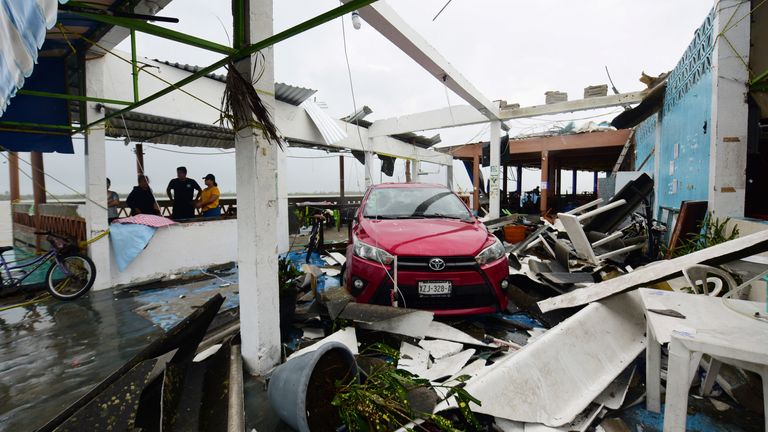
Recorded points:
(98, 237)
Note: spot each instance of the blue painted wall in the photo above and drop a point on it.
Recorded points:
(687, 126)
(645, 141)
(684, 126)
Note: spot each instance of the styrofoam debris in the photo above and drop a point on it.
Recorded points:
(413, 359)
(204, 354)
(448, 366)
(340, 258)
(312, 332)
(345, 336)
(438, 330)
(439, 348)
(613, 395)
(509, 425)
(331, 272)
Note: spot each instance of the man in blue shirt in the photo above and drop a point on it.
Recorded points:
(183, 196)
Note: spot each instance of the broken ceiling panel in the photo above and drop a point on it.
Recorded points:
(553, 379)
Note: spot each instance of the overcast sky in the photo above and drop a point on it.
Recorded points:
(509, 49)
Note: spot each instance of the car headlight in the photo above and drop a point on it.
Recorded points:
(366, 251)
(491, 253)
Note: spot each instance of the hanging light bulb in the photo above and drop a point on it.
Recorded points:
(356, 22)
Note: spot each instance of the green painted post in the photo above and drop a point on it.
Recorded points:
(238, 23)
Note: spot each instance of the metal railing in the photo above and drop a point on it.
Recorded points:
(228, 209)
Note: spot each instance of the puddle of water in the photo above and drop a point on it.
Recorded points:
(51, 353)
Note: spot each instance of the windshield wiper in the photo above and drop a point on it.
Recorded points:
(444, 216)
(395, 217)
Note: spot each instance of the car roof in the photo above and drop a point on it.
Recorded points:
(407, 185)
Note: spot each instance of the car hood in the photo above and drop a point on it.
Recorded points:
(418, 237)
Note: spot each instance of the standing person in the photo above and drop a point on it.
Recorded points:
(183, 197)
(113, 202)
(209, 199)
(141, 200)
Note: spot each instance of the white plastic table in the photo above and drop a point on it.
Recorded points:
(709, 327)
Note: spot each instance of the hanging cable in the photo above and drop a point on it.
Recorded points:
(441, 10)
(351, 83)
(448, 99)
(55, 198)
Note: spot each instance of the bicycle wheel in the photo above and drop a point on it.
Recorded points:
(72, 278)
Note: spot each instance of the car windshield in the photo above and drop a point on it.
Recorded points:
(414, 203)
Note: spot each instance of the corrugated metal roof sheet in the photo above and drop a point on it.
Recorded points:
(408, 137)
(283, 92)
(162, 130)
(327, 126)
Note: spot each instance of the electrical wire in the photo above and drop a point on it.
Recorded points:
(96, 44)
(55, 198)
(441, 10)
(37, 299)
(448, 99)
(351, 83)
(190, 153)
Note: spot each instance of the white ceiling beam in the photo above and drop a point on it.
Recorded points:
(384, 19)
(574, 105)
(464, 115)
(461, 115)
(293, 122)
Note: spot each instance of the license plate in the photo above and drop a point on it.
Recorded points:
(435, 288)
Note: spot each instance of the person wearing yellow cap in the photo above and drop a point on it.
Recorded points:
(209, 199)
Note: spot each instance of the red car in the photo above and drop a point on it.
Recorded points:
(447, 261)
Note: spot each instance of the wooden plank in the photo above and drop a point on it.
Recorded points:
(688, 223)
(581, 141)
(661, 270)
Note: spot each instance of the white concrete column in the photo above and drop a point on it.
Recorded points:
(96, 177)
(449, 176)
(256, 162)
(415, 167)
(728, 144)
(283, 236)
(493, 192)
(368, 169)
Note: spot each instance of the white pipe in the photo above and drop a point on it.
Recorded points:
(603, 209)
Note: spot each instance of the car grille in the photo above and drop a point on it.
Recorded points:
(421, 263)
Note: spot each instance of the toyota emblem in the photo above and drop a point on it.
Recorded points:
(436, 264)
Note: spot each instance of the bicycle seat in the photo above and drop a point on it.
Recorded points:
(5, 249)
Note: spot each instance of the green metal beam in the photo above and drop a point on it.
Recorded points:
(36, 125)
(242, 53)
(144, 27)
(71, 97)
(134, 67)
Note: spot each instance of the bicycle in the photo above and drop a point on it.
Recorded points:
(69, 277)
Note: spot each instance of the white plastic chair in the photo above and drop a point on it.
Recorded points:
(698, 275)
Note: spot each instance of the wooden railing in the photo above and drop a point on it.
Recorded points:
(69, 226)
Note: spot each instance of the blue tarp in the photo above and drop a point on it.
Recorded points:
(49, 76)
(128, 240)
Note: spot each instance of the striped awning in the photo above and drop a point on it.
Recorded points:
(23, 24)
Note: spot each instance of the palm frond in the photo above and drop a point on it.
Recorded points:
(241, 103)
